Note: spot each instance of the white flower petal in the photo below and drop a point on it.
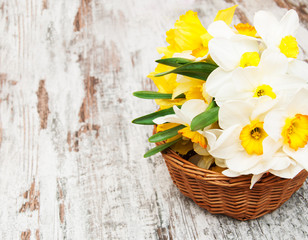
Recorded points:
(299, 69)
(289, 172)
(227, 143)
(246, 80)
(262, 106)
(274, 122)
(266, 25)
(270, 147)
(273, 62)
(300, 156)
(205, 162)
(299, 103)
(220, 29)
(230, 173)
(220, 162)
(200, 150)
(219, 85)
(192, 108)
(241, 161)
(289, 23)
(227, 53)
(181, 116)
(255, 178)
(281, 162)
(234, 112)
(211, 137)
(172, 118)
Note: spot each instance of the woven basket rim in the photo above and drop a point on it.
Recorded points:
(217, 178)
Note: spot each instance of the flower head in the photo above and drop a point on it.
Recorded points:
(278, 35)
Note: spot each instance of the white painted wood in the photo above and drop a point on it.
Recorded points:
(71, 164)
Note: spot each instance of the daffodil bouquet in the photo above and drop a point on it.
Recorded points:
(233, 99)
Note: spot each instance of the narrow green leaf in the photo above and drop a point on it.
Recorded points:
(159, 148)
(204, 119)
(174, 62)
(199, 70)
(164, 135)
(148, 119)
(211, 105)
(155, 95)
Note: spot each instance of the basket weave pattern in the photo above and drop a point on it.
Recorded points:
(220, 194)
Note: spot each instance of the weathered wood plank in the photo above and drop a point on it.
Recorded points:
(71, 163)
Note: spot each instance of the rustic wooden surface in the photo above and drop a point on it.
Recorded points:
(71, 164)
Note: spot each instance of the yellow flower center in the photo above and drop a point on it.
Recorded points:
(295, 131)
(288, 46)
(193, 136)
(250, 59)
(252, 136)
(246, 29)
(264, 90)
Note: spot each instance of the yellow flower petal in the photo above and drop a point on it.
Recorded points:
(289, 47)
(186, 35)
(250, 59)
(226, 15)
(195, 137)
(165, 84)
(295, 131)
(264, 90)
(165, 126)
(168, 103)
(182, 146)
(252, 136)
(246, 29)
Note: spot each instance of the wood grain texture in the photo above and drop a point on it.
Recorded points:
(71, 164)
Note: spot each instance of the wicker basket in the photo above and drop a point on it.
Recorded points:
(220, 194)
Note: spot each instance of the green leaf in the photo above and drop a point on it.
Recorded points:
(148, 119)
(174, 62)
(211, 105)
(199, 70)
(159, 148)
(155, 95)
(204, 119)
(164, 135)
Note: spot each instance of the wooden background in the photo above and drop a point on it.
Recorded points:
(71, 164)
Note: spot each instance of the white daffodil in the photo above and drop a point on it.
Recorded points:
(270, 78)
(231, 49)
(184, 116)
(289, 125)
(278, 35)
(244, 144)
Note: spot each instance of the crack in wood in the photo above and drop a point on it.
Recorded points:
(164, 233)
(61, 198)
(25, 235)
(89, 103)
(42, 105)
(45, 4)
(73, 139)
(37, 234)
(33, 199)
(82, 16)
(299, 6)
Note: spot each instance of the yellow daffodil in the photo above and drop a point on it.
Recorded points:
(184, 116)
(165, 84)
(183, 146)
(188, 34)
